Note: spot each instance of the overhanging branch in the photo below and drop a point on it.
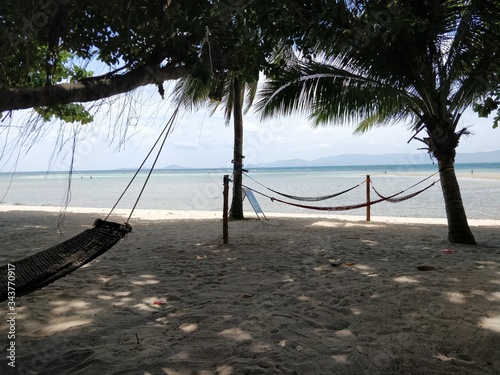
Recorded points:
(87, 90)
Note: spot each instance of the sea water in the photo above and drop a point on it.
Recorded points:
(201, 189)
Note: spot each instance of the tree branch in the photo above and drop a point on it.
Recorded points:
(86, 90)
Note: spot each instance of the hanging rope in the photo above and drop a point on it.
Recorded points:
(164, 133)
(67, 198)
(392, 198)
(401, 199)
(336, 208)
(307, 199)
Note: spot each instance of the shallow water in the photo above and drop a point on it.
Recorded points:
(201, 189)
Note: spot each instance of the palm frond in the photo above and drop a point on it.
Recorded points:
(331, 94)
(250, 94)
(191, 92)
(475, 57)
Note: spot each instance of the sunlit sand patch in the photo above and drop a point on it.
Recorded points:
(122, 294)
(355, 311)
(362, 267)
(182, 355)
(405, 279)
(287, 279)
(55, 327)
(370, 242)
(163, 320)
(283, 343)
(188, 327)
(323, 268)
(485, 264)
(122, 302)
(236, 334)
(67, 306)
(364, 270)
(328, 224)
(311, 300)
(340, 358)
(148, 280)
(492, 324)
(365, 225)
(104, 297)
(344, 333)
(455, 297)
(144, 307)
(331, 224)
(493, 297)
(145, 282)
(178, 314)
(260, 347)
(444, 358)
(479, 292)
(225, 370)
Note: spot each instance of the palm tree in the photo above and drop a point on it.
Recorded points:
(422, 61)
(231, 89)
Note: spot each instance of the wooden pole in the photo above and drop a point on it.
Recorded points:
(225, 229)
(368, 206)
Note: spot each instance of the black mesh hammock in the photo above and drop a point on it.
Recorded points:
(308, 199)
(394, 198)
(43, 268)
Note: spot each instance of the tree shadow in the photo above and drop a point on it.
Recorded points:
(286, 296)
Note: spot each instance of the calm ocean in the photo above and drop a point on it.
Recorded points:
(201, 189)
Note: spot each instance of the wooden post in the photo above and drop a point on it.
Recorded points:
(368, 206)
(225, 208)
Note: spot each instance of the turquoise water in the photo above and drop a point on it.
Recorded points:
(201, 189)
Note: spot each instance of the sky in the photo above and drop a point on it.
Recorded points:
(126, 128)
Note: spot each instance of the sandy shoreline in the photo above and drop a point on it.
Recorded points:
(301, 294)
(146, 214)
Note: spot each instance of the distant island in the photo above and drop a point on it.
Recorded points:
(383, 159)
(367, 159)
(174, 166)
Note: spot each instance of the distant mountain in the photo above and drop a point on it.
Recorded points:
(383, 159)
(174, 166)
(479, 157)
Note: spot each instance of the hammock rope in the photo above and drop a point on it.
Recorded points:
(401, 199)
(321, 208)
(164, 134)
(307, 199)
(43, 268)
(392, 198)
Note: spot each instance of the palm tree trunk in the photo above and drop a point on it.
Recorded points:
(237, 201)
(458, 227)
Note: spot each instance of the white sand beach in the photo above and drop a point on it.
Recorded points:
(297, 294)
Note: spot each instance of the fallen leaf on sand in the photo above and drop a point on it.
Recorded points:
(425, 268)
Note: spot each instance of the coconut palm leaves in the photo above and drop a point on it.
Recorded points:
(194, 92)
(334, 94)
(386, 62)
